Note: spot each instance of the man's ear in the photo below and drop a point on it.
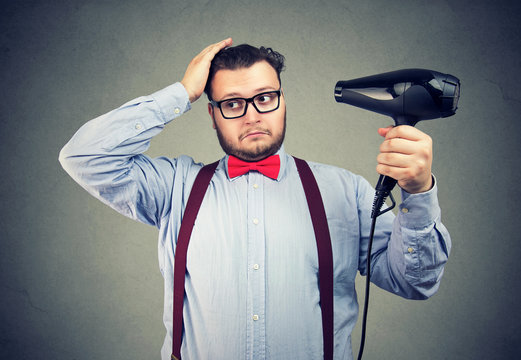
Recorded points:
(210, 111)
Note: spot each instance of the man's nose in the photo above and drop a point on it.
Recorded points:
(252, 115)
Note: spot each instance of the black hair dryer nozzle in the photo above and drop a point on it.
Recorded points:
(408, 95)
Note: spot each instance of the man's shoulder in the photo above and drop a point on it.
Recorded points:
(183, 166)
(321, 169)
(330, 174)
(187, 161)
(337, 183)
(178, 163)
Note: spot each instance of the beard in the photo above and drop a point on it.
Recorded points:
(260, 151)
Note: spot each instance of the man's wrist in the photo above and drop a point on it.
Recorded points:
(421, 188)
(406, 194)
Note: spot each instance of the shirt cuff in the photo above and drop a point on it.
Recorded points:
(173, 101)
(420, 210)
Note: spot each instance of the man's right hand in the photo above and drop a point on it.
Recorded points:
(197, 71)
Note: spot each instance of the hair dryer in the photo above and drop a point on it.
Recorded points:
(408, 96)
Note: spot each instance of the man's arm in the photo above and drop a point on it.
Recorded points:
(106, 156)
(411, 262)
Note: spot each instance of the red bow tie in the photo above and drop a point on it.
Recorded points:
(269, 166)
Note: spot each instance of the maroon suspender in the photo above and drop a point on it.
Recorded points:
(325, 253)
(187, 224)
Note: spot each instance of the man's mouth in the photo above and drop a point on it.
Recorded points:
(254, 133)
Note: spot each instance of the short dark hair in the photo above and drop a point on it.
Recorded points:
(242, 56)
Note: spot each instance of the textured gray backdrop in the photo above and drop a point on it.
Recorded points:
(78, 281)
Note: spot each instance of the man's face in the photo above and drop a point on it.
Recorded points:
(253, 136)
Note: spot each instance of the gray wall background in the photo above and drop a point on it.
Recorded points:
(79, 281)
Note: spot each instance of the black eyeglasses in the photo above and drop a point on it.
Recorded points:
(235, 108)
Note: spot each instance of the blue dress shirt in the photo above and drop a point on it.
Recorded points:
(252, 270)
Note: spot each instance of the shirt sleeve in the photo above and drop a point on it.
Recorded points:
(409, 260)
(105, 156)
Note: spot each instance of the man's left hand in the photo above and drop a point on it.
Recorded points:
(406, 155)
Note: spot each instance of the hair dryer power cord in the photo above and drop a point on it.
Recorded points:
(383, 189)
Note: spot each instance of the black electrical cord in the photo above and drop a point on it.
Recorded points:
(383, 189)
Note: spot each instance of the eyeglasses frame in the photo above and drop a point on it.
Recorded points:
(248, 100)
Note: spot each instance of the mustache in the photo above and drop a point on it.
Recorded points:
(255, 130)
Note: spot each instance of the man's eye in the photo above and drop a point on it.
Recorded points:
(265, 98)
(232, 104)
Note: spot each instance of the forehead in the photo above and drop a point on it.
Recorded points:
(244, 82)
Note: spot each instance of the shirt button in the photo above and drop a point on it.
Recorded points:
(410, 250)
(256, 221)
(405, 210)
(138, 126)
(256, 267)
(255, 317)
(255, 186)
(177, 110)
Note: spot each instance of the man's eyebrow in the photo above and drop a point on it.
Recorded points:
(257, 91)
(266, 88)
(231, 95)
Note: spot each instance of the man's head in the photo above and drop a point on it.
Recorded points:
(245, 72)
(243, 56)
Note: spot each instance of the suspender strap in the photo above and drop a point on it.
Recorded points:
(325, 253)
(192, 208)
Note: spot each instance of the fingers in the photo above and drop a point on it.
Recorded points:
(406, 155)
(399, 145)
(208, 53)
(404, 168)
(383, 131)
(197, 71)
(403, 131)
(405, 140)
(394, 159)
(213, 49)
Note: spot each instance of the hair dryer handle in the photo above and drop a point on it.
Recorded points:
(385, 184)
(383, 190)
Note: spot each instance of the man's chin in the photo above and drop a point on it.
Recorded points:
(253, 148)
(255, 153)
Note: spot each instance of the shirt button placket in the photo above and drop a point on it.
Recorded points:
(256, 254)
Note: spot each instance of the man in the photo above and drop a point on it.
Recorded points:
(251, 285)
